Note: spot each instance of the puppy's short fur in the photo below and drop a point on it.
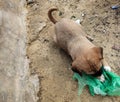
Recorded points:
(71, 37)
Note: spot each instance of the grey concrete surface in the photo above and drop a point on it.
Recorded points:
(16, 84)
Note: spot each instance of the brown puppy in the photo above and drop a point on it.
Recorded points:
(72, 38)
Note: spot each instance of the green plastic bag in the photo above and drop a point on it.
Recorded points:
(111, 85)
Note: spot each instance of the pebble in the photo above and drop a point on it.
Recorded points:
(30, 1)
(116, 47)
(82, 14)
(77, 21)
(115, 7)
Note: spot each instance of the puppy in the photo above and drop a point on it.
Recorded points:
(71, 37)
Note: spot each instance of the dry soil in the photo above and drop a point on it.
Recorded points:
(52, 64)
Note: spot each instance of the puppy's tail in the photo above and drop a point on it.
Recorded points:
(50, 15)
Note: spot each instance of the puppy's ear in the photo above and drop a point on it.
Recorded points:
(99, 50)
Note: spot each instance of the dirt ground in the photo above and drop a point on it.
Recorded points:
(52, 64)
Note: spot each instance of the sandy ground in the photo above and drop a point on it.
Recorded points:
(52, 64)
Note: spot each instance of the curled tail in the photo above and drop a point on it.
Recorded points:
(50, 15)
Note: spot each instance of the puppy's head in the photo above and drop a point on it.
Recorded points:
(91, 62)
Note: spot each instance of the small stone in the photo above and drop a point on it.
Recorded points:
(116, 36)
(104, 31)
(72, 17)
(78, 21)
(116, 47)
(41, 26)
(82, 14)
(30, 1)
(46, 40)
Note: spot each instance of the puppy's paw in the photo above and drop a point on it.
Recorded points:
(102, 78)
(107, 68)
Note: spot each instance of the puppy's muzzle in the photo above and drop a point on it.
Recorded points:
(98, 73)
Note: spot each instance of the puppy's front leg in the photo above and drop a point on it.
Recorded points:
(88, 37)
(106, 67)
(101, 78)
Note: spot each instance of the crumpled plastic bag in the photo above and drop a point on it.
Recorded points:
(110, 87)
